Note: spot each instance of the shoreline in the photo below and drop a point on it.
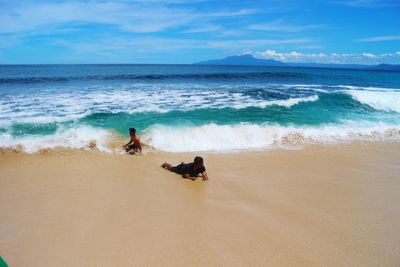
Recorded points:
(332, 205)
(116, 148)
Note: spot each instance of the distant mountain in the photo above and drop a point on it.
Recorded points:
(244, 60)
(388, 67)
(249, 60)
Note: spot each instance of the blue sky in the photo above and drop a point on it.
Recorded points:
(178, 31)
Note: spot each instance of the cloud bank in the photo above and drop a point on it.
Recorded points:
(335, 58)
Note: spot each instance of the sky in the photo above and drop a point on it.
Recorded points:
(187, 31)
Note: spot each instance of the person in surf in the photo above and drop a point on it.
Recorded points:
(189, 170)
(134, 145)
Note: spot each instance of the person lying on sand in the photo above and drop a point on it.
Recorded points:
(190, 170)
(134, 145)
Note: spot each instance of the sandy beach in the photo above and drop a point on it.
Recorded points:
(319, 206)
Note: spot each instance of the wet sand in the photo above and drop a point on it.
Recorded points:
(320, 206)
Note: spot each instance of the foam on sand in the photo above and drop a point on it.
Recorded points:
(212, 137)
(209, 137)
(83, 137)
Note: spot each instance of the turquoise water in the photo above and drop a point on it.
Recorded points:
(195, 108)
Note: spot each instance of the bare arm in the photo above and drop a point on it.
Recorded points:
(205, 176)
(127, 144)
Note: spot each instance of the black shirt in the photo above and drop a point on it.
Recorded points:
(189, 169)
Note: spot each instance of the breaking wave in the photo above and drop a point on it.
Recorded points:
(212, 137)
(379, 100)
(83, 137)
(209, 137)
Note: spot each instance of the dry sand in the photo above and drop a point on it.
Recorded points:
(321, 206)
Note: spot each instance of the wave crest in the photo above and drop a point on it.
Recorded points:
(83, 137)
(380, 100)
(212, 137)
(209, 137)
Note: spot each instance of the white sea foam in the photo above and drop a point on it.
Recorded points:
(380, 100)
(214, 137)
(63, 105)
(53, 105)
(210, 137)
(284, 103)
(83, 137)
(368, 88)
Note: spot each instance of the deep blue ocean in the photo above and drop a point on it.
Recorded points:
(181, 108)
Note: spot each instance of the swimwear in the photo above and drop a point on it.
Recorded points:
(133, 147)
(187, 168)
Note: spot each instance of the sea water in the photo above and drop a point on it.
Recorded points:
(179, 108)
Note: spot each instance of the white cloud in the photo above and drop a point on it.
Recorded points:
(310, 47)
(279, 26)
(368, 55)
(240, 43)
(270, 54)
(133, 16)
(290, 56)
(204, 28)
(370, 3)
(380, 38)
(335, 58)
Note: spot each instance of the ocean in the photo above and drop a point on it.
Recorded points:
(186, 108)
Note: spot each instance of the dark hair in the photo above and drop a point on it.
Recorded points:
(198, 160)
(132, 130)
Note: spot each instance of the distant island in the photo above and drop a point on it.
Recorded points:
(249, 60)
